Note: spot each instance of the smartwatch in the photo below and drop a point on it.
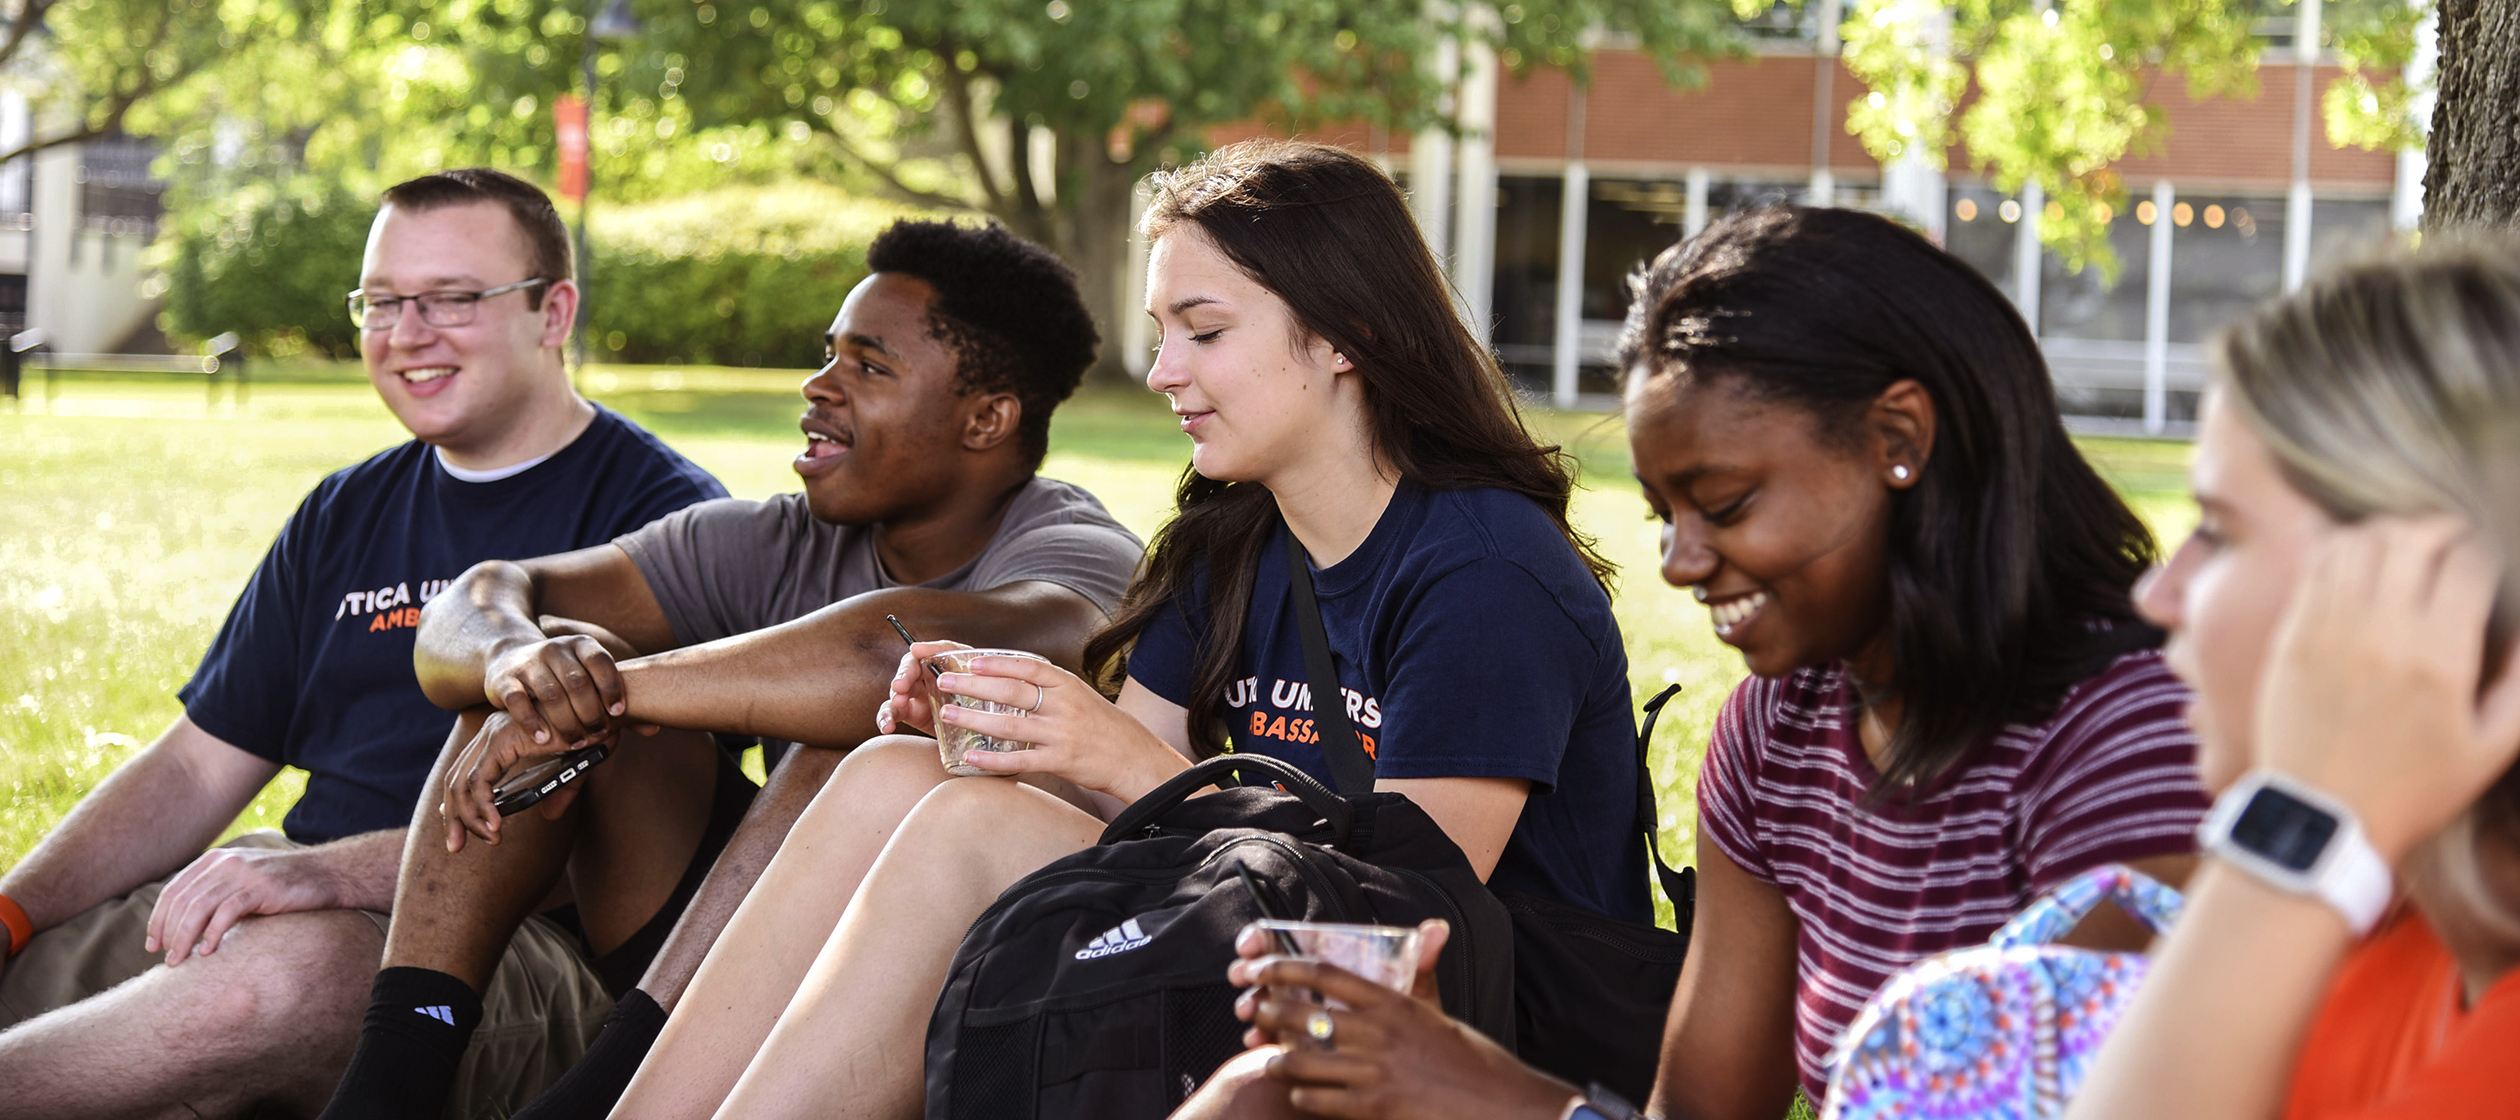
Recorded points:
(2301, 840)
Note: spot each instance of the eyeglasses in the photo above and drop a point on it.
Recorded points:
(437, 309)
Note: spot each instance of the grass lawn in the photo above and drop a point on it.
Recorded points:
(132, 510)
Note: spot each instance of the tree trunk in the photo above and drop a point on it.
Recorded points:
(1093, 235)
(2472, 178)
(1088, 227)
(1101, 255)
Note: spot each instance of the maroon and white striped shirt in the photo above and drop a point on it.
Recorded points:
(2110, 777)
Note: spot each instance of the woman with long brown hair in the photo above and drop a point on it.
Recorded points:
(1336, 405)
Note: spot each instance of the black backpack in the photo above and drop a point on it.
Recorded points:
(1095, 987)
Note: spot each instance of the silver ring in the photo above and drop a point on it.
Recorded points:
(1320, 1027)
(1038, 696)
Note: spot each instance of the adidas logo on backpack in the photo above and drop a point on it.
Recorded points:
(1118, 939)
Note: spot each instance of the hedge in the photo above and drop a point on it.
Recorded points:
(744, 276)
(738, 276)
(269, 263)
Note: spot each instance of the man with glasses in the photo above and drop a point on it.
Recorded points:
(269, 944)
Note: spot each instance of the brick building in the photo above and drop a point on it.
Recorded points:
(2254, 196)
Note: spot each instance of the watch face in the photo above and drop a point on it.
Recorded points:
(2283, 828)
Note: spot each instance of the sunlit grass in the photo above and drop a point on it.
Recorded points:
(132, 510)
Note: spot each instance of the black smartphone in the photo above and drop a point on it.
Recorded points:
(544, 778)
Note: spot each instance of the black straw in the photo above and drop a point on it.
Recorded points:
(904, 631)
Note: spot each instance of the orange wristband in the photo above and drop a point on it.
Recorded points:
(21, 930)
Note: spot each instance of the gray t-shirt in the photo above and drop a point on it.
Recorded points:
(732, 566)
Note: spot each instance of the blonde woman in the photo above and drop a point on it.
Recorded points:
(2349, 941)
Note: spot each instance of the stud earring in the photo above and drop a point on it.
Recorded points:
(1899, 472)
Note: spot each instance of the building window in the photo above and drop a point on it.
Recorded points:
(1630, 221)
(2081, 305)
(17, 191)
(2345, 230)
(116, 192)
(1626, 223)
(1524, 300)
(2226, 257)
(1783, 24)
(1977, 230)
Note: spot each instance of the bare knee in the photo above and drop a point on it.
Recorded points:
(282, 979)
(1003, 829)
(867, 795)
(889, 770)
(892, 761)
(996, 805)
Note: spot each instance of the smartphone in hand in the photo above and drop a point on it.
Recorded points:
(541, 780)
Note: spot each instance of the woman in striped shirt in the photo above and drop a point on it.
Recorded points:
(1855, 449)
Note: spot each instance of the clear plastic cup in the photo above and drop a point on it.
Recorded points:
(1386, 955)
(953, 742)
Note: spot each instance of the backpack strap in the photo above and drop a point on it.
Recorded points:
(1150, 807)
(1350, 768)
(1678, 886)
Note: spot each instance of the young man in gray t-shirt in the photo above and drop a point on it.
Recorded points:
(923, 433)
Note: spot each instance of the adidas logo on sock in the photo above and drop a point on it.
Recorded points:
(442, 1013)
(1118, 939)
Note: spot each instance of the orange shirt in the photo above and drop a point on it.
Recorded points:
(2391, 1042)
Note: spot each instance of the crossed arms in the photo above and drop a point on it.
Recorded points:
(815, 680)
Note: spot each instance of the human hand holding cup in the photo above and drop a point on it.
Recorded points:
(955, 742)
(1383, 955)
(1028, 716)
(911, 703)
(1391, 1055)
(1389, 957)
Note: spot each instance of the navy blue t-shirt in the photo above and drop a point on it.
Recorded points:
(1471, 642)
(313, 666)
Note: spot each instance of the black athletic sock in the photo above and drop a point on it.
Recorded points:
(418, 1023)
(594, 1084)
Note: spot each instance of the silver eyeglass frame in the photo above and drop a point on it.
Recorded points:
(362, 319)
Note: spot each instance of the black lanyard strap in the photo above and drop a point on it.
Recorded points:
(1350, 769)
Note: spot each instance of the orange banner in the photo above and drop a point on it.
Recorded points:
(568, 117)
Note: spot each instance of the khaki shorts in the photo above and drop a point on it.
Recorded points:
(543, 1007)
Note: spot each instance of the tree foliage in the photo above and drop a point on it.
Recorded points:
(1046, 113)
(2061, 88)
(271, 263)
(90, 64)
(2373, 105)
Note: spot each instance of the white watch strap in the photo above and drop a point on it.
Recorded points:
(2355, 880)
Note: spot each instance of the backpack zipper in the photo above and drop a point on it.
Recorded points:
(1314, 879)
